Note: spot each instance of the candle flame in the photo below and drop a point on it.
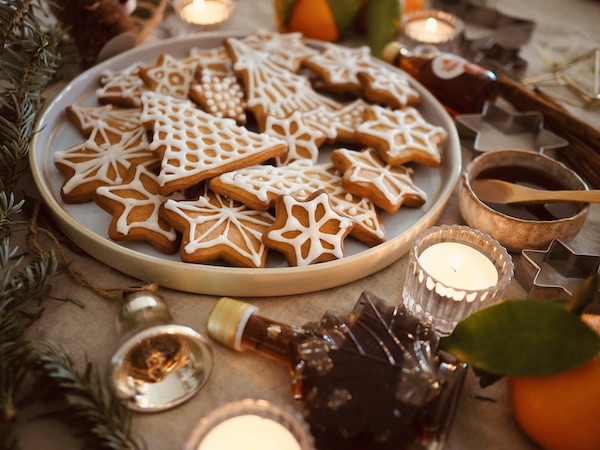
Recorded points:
(431, 25)
(198, 4)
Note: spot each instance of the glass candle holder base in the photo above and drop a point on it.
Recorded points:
(452, 272)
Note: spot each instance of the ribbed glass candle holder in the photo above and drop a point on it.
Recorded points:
(452, 281)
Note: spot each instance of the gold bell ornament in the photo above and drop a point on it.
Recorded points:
(157, 364)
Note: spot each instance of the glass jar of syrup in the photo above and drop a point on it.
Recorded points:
(373, 380)
(461, 86)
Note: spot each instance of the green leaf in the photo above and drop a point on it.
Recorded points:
(587, 293)
(344, 12)
(383, 23)
(523, 337)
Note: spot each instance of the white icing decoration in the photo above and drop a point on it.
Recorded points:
(217, 210)
(130, 203)
(311, 232)
(265, 184)
(194, 142)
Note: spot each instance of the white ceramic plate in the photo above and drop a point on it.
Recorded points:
(87, 224)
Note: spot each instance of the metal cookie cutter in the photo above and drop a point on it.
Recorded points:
(555, 272)
(497, 128)
(491, 39)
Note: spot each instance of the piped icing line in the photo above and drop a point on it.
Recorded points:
(170, 76)
(317, 234)
(216, 222)
(89, 119)
(194, 145)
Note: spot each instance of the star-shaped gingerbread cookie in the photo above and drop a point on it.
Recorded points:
(217, 228)
(134, 205)
(367, 175)
(401, 136)
(308, 231)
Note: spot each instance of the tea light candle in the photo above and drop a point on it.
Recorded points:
(452, 272)
(459, 266)
(433, 27)
(429, 31)
(205, 12)
(249, 432)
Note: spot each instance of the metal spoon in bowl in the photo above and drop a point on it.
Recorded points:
(498, 191)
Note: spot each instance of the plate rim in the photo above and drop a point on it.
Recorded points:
(216, 279)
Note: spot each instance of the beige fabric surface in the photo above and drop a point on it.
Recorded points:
(89, 332)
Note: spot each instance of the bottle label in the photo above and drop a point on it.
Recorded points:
(447, 66)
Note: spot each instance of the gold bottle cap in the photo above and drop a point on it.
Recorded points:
(227, 321)
(391, 51)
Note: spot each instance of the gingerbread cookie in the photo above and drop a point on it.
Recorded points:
(287, 50)
(367, 175)
(401, 136)
(220, 95)
(214, 61)
(122, 88)
(112, 146)
(270, 89)
(259, 187)
(338, 125)
(307, 231)
(217, 228)
(338, 66)
(303, 141)
(388, 87)
(170, 76)
(88, 119)
(134, 205)
(194, 146)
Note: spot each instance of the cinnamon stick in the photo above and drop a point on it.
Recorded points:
(584, 140)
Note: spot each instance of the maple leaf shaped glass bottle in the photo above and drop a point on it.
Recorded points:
(372, 380)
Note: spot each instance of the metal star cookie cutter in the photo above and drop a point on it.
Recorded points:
(499, 59)
(555, 272)
(488, 24)
(497, 128)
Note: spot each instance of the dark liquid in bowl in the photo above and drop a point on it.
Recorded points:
(535, 179)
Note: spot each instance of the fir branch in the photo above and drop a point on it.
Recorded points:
(101, 421)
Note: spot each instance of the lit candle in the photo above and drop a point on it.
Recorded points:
(250, 432)
(205, 12)
(429, 31)
(459, 266)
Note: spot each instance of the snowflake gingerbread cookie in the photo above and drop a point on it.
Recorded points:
(308, 231)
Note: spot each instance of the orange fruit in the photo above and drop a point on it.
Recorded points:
(561, 411)
(314, 19)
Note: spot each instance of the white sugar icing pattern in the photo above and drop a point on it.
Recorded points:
(221, 96)
(215, 221)
(388, 83)
(112, 147)
(144, 198)
(300, 179)
(403, 135)
(287, 50)
(392, 182)
(303, 140)
(341, 65)
(123, 88)
(170, 76)
(272, 90)
(297, 234)
(195, 145)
